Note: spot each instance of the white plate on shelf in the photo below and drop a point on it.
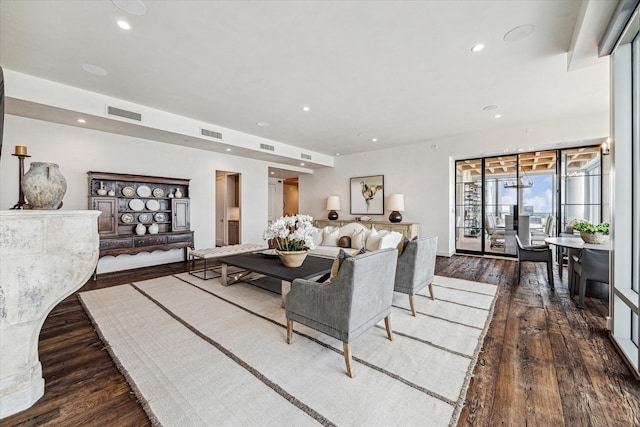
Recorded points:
(153, 205)
(144, 217)
(127, 218)
(144, 191)
(128, 192)
(158, 192)
(136, 205)
(160, 217)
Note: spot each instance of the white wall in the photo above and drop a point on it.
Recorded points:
(78, 151)
(425, 172)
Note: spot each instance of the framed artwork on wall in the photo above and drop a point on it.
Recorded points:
(367, 195)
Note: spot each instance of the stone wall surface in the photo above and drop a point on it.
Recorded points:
(45, 256)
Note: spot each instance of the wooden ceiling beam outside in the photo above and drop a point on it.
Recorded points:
(530, 162)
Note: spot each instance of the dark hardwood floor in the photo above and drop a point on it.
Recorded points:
(544, 362)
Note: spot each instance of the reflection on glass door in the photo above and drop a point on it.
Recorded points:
(538, 201)
(581, 186)
(469, 227)
(500, 197)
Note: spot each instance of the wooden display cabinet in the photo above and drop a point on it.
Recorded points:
(130, 205)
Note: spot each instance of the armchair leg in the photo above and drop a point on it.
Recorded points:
(347, 358)
(387, 324)
(413, 309)
(431, 291)
(289, 331)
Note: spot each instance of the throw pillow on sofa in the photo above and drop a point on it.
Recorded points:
(330, 236)
(317, 235)
(402, 246)
(358, 239)
(373, 240)
(337, 263)
(344, 242)
(390, 240)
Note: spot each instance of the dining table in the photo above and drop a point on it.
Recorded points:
(574, 244)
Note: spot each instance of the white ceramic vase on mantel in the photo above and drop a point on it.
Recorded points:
(44, 186)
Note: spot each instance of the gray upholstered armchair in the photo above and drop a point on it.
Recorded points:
(358, 298)
(416, 268)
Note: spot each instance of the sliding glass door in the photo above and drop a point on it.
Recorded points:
(500, 201)
(499, 197)
(469, 227)
(581, 186)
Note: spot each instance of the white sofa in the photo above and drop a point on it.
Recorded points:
(326, 239)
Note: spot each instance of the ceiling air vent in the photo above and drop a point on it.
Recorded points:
(210, 133)
(113, 111)
(267, 147)
(306, 156)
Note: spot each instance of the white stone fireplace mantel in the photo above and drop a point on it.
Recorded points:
(45, 256)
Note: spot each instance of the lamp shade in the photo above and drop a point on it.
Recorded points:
(396, 202)
(333, 203)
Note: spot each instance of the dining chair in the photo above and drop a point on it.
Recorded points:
(540, 235)
(538, 253)
(591, 264)
(493, 232)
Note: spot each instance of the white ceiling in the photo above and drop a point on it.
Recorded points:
(399, 71)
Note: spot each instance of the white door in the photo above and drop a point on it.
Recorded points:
(221, 197)
(273, 199)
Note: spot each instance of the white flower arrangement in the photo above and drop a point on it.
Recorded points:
(291, 233)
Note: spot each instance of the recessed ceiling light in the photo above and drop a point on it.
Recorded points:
(263, 124)
(94, 69)
(497, 116)
(134, 7)
(306, 108)
(490, 107)
(374, 139)
(81, 121)
(477, 48)
(124, 25)
(337, 154)
(519, 33)
(301, 164)
(228, 149)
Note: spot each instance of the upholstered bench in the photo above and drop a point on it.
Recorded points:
(218, 252)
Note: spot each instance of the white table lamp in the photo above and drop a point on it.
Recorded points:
(396, 205)
(333, 205)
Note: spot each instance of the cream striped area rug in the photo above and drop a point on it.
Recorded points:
(200, 354)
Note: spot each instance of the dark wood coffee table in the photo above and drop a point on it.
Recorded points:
(313, 266)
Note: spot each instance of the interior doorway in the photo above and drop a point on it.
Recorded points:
(283, 193)
(290, 196)
(228, 210)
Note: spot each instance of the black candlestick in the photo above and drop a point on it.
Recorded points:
(21, 202)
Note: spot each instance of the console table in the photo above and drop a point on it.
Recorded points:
(408, 229)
